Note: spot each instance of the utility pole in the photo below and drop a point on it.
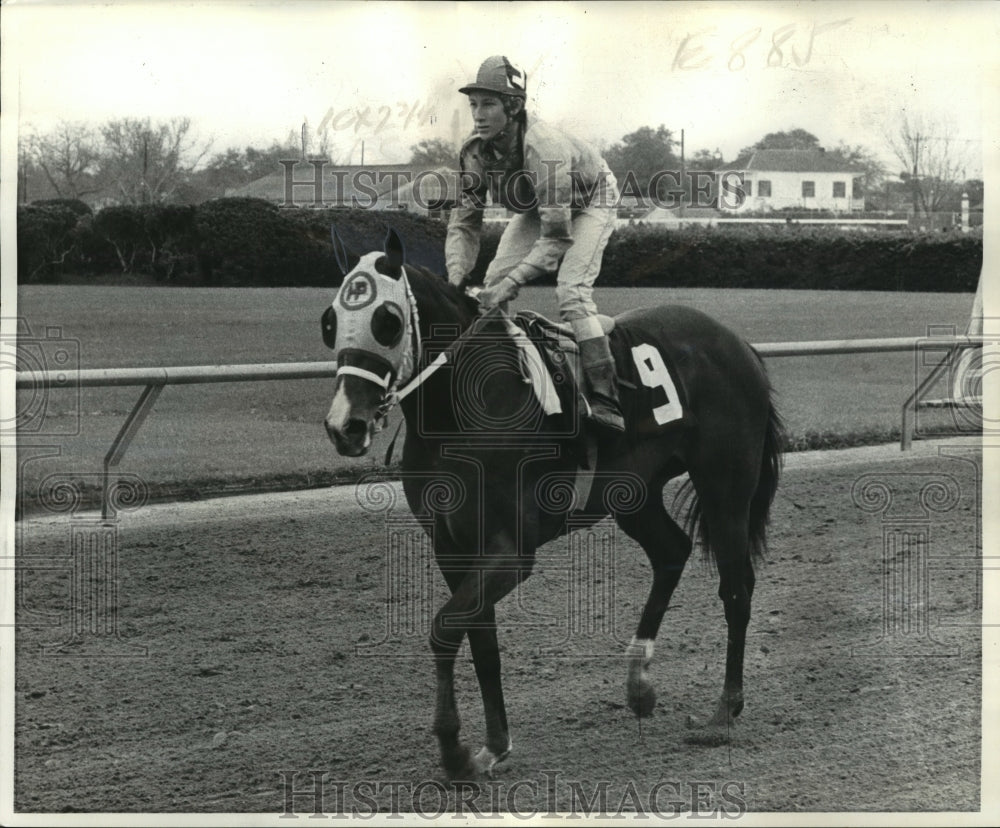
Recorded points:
(145, 166)
(683, 177)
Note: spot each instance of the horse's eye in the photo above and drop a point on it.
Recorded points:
(387, 324)
(329, 325)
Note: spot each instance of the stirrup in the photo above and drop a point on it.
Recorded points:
(604, 413)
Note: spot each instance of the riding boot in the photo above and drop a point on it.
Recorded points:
(599, 368)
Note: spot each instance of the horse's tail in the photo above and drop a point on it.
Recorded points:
(760, 502)
(767, 483)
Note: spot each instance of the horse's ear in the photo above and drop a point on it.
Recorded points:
(339, 251)
(394, 253)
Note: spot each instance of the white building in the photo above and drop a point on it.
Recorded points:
(772, 179)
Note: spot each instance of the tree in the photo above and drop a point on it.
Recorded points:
(261, 162)
(122, 228)
(639, 156)
(790, 139)
(234, 168)
(69, 157)
(30, 179)
(46, 236)
(934, 158)
(144, 162)
(226, 170)
(705, 159)
(432, 153)
(864, 159)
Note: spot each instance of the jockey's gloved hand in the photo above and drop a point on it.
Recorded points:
(503, 291)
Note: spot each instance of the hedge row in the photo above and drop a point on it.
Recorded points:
(241, 241)
(795, 256)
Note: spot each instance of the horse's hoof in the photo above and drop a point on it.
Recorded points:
(459, 764)
(713, 732)
(486, 760)
(706, 737)
(641, 698)
(704, 733)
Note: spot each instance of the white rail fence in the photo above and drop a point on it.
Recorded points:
(154, 380)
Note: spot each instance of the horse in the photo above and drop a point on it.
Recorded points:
(473, 420)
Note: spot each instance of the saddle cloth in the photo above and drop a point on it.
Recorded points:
(551, 360)
(652, 395)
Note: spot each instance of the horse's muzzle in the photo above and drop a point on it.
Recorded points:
(352, 440)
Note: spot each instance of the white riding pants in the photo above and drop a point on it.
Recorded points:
(592, 227)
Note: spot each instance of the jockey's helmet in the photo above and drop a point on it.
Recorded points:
(499, 76)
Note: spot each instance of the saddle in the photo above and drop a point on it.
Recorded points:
(560, 357)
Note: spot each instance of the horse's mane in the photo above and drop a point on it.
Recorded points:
(430, 287)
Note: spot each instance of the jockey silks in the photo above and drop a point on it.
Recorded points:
(552, 178)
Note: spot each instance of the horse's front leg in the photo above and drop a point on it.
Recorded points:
(471, 610)
(486, 658)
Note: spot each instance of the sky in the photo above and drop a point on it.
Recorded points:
(387, 74)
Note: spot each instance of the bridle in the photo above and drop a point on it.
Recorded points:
(393, 392)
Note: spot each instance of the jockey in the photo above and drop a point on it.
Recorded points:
(563, 196)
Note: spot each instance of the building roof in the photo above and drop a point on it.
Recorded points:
(340, 183)
(791, 160)
(437, 185)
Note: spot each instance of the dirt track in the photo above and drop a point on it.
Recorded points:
(263, 621)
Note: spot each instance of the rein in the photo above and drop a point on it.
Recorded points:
(396, 395)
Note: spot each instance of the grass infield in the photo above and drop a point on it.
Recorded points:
(235, 437)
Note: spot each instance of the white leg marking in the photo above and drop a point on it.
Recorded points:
(638, 654)
(639, 651)
(485, 760)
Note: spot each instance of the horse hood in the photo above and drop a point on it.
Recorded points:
(372, 314)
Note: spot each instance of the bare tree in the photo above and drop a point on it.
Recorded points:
(934, 158)
(145, 162)
(69, 157)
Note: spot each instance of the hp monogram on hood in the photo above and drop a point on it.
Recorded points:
(371, 315)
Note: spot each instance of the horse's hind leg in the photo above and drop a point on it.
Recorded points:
(667, 547)
(729, 537)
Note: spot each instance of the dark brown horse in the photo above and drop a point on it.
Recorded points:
(700, 402)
